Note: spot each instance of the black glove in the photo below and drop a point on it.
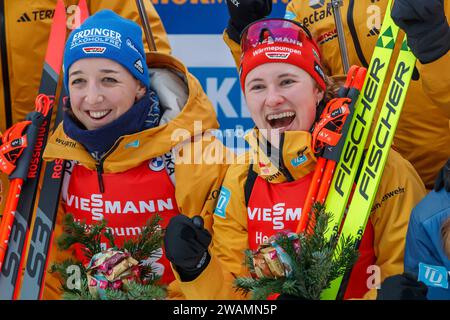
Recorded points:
(443, 178)
(425, 25)
(402, 287)
(244, 12)
(186, 242)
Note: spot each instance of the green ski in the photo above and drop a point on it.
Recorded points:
(375, 160)
(358, 132)
(347, 167)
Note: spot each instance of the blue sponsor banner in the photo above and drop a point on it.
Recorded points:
(195, 30)
(224, 91)
(201, 16)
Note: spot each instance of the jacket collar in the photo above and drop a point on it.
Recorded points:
(292, 161)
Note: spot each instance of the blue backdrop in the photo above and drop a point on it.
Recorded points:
(195, 30)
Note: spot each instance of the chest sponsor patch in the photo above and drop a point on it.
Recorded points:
(298, 161)
(156, 164)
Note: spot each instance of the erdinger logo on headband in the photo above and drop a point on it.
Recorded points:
(97, 35)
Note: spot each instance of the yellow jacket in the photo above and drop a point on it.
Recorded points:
(186, 108)
(27, 27)
(400, 190)
(423, 135)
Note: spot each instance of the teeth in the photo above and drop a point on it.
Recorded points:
(280, 115)
(98, 114)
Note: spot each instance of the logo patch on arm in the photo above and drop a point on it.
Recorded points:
(222, 202)
(433, 276)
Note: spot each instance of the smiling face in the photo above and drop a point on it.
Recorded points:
(281, 97)
(101, 90)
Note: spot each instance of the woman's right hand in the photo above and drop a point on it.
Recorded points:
(186, 244)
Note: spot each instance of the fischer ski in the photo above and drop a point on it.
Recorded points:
(14, 259)
(373, 166)
(366, 104)
(368, 181)
(47, 208)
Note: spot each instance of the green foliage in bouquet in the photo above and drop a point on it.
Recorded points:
(142, 248)
(314, 263)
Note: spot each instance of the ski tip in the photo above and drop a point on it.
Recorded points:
(84, 11)
(53, 56)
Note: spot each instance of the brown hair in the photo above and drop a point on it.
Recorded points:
(445, 234)
(333, 85)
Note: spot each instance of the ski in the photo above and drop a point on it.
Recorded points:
(374, 163)
(355, 140)
(14, 259)
(46, 211)
(17, 151)
(367, 184)
(44, 221)
(45, 216)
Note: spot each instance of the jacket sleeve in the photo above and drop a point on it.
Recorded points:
(436, 84)
(436, 81)
(197, 191)
(400, 190)
(128, 9)
(229, 243)
(198, 185)
(235, 48)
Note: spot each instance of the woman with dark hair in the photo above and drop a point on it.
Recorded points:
(264, 192)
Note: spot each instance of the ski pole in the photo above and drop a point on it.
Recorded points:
(336, 4)
(324, 171)
(43, 105)
(312, 193)
(350, 90)
(321, 165)
(146, 25)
